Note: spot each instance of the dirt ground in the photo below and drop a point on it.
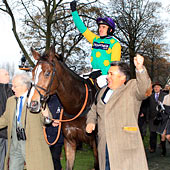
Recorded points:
(156, 161)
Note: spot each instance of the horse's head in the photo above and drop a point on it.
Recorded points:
(43, 79)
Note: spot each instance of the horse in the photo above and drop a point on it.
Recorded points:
(52, 76)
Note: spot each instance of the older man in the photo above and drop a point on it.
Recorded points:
(120, 146)
(5, 92)
(25, 135)
(157, 95)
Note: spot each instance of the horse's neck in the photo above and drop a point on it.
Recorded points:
(71, 89)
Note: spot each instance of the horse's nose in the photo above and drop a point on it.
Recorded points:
(34, 106)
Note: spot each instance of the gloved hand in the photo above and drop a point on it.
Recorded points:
(73, 5)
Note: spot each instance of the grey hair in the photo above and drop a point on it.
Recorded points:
(24, 79)
(123, 68)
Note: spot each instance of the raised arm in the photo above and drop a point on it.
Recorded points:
(80, 25)
(142, 77)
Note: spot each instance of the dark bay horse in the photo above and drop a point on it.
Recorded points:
(50, 76)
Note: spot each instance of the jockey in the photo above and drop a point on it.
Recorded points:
(105, 48)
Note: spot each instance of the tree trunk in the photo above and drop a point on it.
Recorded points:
(132, 55)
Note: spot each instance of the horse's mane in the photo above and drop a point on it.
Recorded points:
(71, 71)
(59, 58)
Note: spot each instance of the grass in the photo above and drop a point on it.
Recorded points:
(146, 139)
(84, 159)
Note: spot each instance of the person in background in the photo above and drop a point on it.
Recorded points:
(55, 107)
(166, 100)
(166, 89)
(142, 119)
(105, 48)
(26, 143)
(5, 93)
(156, 96)
(143, 114)
(164, 126)
(120, 146)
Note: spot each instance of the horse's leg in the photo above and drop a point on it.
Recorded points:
(95, 152)
(70, 150)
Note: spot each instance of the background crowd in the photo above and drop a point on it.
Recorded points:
(152, 117)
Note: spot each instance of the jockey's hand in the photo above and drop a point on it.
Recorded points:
(138, 61)
(73, 5)
(90, 127)
(55, 123)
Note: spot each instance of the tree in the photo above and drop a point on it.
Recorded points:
(136, 20)
(5, 7)
(50, 22)
(10, 67)
(64, 35)
(155, 55)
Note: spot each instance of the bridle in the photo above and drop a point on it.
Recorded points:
(43, 98)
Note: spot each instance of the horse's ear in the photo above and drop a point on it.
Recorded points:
(52, 53)
(59, 57)
(35, 54)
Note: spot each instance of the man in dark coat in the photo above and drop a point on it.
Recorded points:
(143, 117)
(156, 96)
(54, 106)
(5, 92)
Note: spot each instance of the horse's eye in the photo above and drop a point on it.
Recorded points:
(47, 74)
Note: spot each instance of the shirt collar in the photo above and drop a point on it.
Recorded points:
(25, 94)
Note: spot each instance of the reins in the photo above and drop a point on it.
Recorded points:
(68, 120)
(59, 130)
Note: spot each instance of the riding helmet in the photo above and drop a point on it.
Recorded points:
(106, 21)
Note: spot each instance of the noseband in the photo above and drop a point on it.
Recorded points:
(43, 98)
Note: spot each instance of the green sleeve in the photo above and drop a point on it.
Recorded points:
(78, 22)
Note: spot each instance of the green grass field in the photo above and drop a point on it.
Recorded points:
(84, 159)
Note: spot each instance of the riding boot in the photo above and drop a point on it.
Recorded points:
(163, 144)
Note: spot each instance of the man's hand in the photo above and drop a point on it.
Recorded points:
(45, 112)
(73, 5)
(141, 115)
(90, 127)
(55, 123)
(138, 61)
